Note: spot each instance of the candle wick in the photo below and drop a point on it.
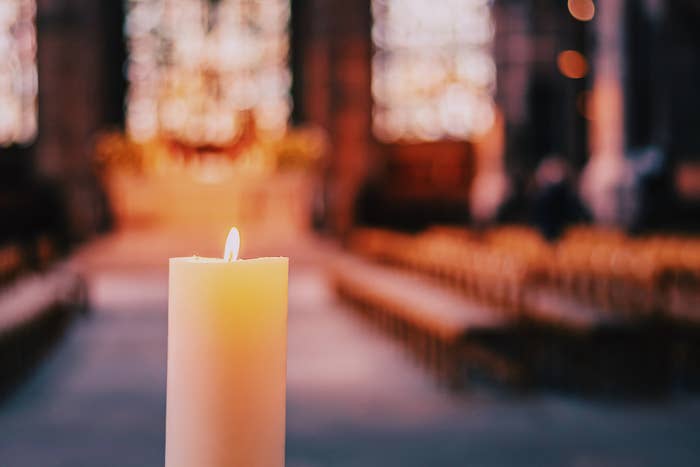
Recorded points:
(233, 244)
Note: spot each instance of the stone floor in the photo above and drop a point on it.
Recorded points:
(355, 396)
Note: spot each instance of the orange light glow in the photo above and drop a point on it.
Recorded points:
(582, 10)
(572, 64)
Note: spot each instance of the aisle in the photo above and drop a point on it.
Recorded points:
(355, 397)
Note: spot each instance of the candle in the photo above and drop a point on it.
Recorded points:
(227, 337)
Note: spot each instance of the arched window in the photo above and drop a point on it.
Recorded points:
(204, 71)
(18, 72)
(433, 75)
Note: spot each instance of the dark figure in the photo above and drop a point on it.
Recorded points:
(556, 204)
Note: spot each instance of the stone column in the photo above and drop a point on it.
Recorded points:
(351, 108)
(606, 171)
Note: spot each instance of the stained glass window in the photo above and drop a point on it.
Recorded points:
(433, 75)
(204, 71)
(18, 72)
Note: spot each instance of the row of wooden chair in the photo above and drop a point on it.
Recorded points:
(489, 274)
(628, 275)
(618, 275)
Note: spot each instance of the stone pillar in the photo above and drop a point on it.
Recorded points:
(606, 171)
(350, 108)
(73, 89)
(334, 70)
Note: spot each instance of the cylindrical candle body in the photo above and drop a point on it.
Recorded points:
(227, 340)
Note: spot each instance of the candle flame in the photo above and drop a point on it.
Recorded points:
(233, 244)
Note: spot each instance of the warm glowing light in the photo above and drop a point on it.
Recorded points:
(582, 10)
(18, 72)
(572, 64)
(433, 74)
(201, 72)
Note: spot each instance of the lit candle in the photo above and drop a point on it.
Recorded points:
(227, 340)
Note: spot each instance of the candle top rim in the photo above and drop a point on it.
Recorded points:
(206, 260)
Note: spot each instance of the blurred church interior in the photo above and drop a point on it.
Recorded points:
(508, 191)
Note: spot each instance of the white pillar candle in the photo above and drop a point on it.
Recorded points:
(227, 337)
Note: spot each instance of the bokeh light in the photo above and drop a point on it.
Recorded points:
(582, 10)
(18, 72)
(433, 74)
(200, 71)
(572, 64)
